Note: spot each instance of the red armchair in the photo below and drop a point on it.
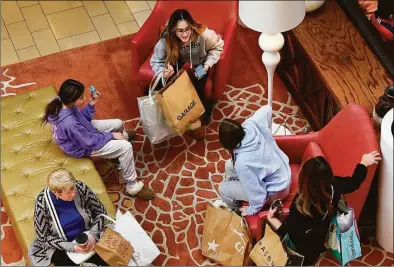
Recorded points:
(342, 142)
(221, 16)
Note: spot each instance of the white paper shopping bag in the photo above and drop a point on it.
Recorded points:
(145, 251)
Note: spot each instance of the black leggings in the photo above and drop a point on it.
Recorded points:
(199, 84)
(60, 258)
(385, 8)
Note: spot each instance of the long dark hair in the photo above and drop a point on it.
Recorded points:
(314, 187)
(172, 40)
(231, 135)
(69, 92)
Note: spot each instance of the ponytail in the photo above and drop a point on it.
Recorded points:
(69, 92)
(52, 109)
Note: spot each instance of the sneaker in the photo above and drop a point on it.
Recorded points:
(198, 134)
(131, 134)
(138, 190)
(385, 27)
(218, 203)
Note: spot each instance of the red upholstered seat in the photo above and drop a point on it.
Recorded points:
(222, 17)
(343, 141)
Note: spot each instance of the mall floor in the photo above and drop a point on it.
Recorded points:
(31, 29)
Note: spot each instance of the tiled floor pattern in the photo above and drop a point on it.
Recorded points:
(30, 29)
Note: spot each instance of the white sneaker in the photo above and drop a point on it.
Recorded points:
(218, 203)
(132, 190)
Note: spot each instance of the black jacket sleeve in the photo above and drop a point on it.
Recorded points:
(348, 185)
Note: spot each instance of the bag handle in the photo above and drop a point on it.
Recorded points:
(153, 84)
(107, 217)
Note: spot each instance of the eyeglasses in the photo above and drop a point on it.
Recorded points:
(185, 30)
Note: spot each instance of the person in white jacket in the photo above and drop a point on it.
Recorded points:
(183, 40)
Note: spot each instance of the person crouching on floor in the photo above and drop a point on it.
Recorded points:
(258, 171)
(78, 135)
(77, 208)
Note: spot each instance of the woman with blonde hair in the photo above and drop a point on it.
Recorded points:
(183, 40)
(77, 209)
(316, 201)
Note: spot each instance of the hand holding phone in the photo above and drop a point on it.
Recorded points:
(199, 71)
(93, 92)
(277, 203)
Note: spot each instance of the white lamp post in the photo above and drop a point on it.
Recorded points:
(271, 18)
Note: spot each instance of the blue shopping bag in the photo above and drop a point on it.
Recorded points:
(343, 240)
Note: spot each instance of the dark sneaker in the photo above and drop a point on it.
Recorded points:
(139, 190)
(131, 134)
(385, 27)
(198, 134)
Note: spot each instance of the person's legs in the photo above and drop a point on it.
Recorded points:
(96, 259)
(123, 150)
(60, 258)
(231, 192)
(111, 125)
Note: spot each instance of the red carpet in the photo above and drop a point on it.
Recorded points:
(184, 174)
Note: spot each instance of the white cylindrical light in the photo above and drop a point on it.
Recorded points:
(271, 16)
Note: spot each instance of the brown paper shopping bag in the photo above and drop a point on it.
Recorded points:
(269, 251)
(226, 237)
(114, 249)
(180, 103)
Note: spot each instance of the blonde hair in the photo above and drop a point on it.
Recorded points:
(61, 180)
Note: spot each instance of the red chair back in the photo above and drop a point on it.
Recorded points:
(344, 140)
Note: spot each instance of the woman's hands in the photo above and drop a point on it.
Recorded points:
(206, 67)
(271, 213)
(88, 247)
(243, 210)
(168, 72)
(370, 158)
(92, 100)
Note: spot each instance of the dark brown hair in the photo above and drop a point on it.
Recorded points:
(231, 133)
(69, 92)
(172, 40)
(314, 187)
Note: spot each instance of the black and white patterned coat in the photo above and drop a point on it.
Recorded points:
(48, 239)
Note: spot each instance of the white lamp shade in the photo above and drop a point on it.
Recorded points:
(271, 16)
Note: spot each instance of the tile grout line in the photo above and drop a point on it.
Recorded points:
(49, 26)
(30, 32)
(60, 10)
(94, 26)
(77, 35)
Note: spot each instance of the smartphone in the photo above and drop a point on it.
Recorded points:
(93, 92)
(277, 203)
(199, 71)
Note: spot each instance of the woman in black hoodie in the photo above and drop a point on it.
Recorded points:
(316, 202)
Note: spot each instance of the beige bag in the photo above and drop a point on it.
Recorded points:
(114, 249)
(269, 251)
(226, 238)
(180, 103)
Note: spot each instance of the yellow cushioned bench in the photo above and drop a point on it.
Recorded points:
(28, 155)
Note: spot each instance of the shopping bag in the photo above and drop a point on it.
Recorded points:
(152, 119)
(114, 249)
(145, 251)
(271, 250)
(226, 238)
(180, 102)
(343, 240)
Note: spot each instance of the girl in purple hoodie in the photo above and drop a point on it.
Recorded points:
(78, 135)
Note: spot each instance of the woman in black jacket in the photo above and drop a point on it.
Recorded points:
(316, 202)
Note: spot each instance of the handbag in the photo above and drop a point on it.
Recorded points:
(76, 257)
(343, 240)
(153, 123)
(145, 250)
(226, 238)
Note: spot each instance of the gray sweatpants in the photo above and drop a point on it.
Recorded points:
(232, 192)
(120, 149)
